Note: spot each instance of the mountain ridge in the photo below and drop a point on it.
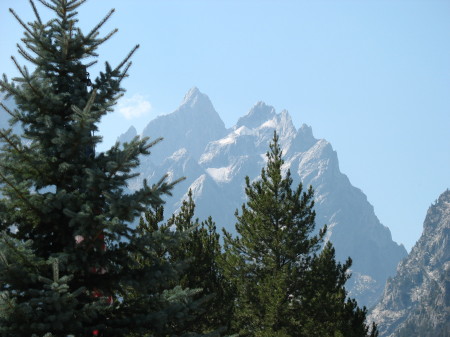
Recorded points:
(216, 164)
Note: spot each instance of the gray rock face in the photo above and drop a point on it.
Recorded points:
(215, 162)
(416, 302)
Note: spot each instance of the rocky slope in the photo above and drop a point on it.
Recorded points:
(215, 161)
(416, 302)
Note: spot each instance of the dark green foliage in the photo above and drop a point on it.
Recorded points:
(284, 286)
(325, 300)
(69, 258)
(198, 253)
(51, 301)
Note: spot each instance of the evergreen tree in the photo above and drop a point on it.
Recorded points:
(324, 300)
(284, 287)
(68, 255)
(198, 253)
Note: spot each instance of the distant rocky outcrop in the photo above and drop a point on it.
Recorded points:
(215, 161)
(128, 136)
(416, 302)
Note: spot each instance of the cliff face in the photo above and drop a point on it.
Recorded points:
(416, 302)
(215, 161)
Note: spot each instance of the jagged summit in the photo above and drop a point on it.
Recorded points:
(197, 101)
(192, 95)
(192, 125)
(257, 115)
(306, 131)
(303, 140)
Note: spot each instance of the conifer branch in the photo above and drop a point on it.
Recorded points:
(90, 102)
(119, 167)
(71, 5)
(20, 21)
(19, 194)
(65, 46)
(153, 143)
(32, 48)
(99, 25)
(90, 64)
(124, 73)
(8, 140)
(26, 76)
(10, 88)
(106, 38)
(35, 12)
(7, 110)
(127, 58)
(26, 56)
(35, 38)
(19, 150)
(15, 250)
(46, 4)
(55, 269)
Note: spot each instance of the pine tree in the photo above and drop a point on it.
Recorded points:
(68, 261)
(198, 253)
(325, 300)
(284, 286)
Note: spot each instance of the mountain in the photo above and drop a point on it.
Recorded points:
(416, 302)
(215, 161)
(192, 126)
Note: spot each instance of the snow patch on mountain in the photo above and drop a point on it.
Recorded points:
(179, 154)
(197, 186)
(220, 174)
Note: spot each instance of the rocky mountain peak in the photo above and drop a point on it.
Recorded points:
(196, 100)
(258, 114)
(303, 140)
(191, 126)
(197, 107)
(192, 94)
(285, 121)
(306, 131)
(416, 302)
(438, 213)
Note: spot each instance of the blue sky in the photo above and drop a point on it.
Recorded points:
(372, 77)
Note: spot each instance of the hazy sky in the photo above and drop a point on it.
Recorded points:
(371, 77)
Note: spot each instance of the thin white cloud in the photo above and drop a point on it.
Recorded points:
(134, 107)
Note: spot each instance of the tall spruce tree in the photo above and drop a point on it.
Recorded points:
(284, 286)
(70, 263)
